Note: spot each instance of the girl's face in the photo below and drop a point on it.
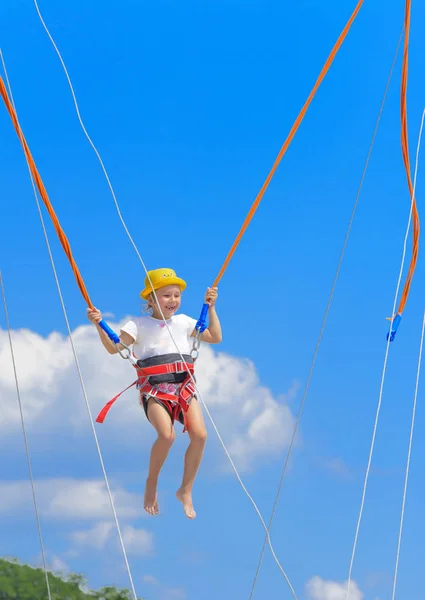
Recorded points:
(169, 299)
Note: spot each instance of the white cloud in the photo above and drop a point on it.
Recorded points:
(55, 564)
(71, 499)
(336, 466)
(252, 421)
(136, 541)
(150, 579)
(89, 500)
(319, 589)
(95, 537)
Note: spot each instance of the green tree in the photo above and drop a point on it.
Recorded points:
(111, 593)
(23, 582)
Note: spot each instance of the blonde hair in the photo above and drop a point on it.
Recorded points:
(148, 305)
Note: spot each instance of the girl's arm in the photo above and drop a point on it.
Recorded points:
(95, 316)
(213, 334)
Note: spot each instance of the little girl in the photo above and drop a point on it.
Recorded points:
(166, 397)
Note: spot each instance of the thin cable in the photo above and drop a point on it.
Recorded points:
(384, 370)
(409, 452)
(249, 497)
(86, 132)
(27, 450)
(162, 315)
(75, 355)
(316, 351)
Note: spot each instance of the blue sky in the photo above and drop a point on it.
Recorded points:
(189, 104)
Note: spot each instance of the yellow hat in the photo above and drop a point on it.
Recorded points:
(161, 278)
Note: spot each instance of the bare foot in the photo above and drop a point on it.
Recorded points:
(150, 501)
(186, 499)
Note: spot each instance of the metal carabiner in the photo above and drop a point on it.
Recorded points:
(196, 345)
(127, 356)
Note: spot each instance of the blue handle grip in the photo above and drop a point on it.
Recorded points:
(394, 326)
(110, 333)
(201, 325)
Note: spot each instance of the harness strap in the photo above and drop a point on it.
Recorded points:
(175, 403)
(175, 367)
(101, 416)
(178, 403)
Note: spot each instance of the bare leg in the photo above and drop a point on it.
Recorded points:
(192, 460)
(160, 419)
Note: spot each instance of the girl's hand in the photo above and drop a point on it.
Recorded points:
(94, 315)
(211, 296)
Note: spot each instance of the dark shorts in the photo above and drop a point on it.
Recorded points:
(168, 406)
(169, 383)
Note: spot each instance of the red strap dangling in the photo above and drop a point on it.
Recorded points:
(101, 416)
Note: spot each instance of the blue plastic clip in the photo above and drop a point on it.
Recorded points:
(110, 333)
(394, 326)
(201, 325)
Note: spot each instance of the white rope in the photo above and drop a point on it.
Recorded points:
(326, 314)
(162, 315)
(86, 133)
(384, 370)
(412, 427)
(27, 450)
(409, 452)
(75, 356)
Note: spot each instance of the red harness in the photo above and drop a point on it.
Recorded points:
(173, 403)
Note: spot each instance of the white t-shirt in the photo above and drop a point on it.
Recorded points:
(151, 336)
